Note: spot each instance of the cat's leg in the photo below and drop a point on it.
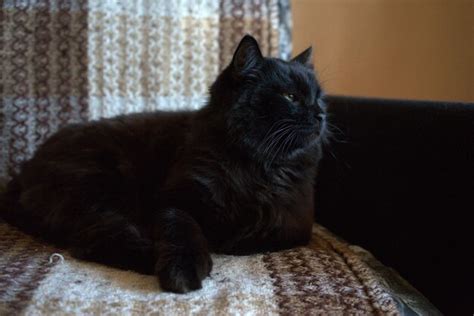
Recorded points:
(181, 249)
(111, 239)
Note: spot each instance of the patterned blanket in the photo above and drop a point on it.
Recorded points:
(326, 277)
(72, 61)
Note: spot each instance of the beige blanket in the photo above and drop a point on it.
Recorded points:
(326, 277)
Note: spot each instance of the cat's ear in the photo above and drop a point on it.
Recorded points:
(247, 55)
(305, 57)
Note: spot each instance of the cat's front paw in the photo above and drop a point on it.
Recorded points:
(183, 271)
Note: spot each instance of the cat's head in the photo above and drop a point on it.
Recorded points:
(272, 108)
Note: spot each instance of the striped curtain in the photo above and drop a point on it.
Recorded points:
(65, 61)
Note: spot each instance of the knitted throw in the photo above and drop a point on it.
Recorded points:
(76, 60)
(326, 277)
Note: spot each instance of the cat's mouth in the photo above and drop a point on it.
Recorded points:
(312, 134)
(304, 137)
(292, 138)
(314, 131)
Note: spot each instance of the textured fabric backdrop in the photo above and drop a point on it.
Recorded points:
(72, 61)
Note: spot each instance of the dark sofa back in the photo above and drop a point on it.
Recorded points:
(397, 179)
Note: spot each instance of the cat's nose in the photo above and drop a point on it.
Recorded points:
(317, 115)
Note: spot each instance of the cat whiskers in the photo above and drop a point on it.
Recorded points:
(276, 138)
(285, 145)
(334, 133)
(282, 125)
(274, 125)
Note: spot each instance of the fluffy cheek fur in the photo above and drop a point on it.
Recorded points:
(248, 121)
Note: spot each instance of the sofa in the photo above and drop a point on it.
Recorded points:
(392, 203)
(398, 180)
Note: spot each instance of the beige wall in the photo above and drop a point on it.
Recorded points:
(416, 49)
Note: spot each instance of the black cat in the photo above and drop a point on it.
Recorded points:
(156, 192)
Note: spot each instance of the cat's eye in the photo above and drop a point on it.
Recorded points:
(289, 96)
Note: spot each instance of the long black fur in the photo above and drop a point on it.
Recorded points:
(156, 192)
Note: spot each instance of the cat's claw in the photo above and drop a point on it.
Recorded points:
(182, 273)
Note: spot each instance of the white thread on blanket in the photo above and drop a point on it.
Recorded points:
(56, 256)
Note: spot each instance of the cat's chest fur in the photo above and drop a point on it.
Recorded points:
(233, 186)
(249, 199)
